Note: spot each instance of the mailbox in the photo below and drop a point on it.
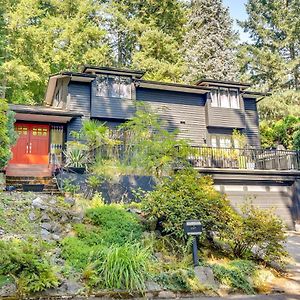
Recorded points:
(192, 227)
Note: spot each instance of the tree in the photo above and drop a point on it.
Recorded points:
(147, 35)
(159, 56)
(271, 60)
(209, 43)
(45, 37)
(7, 133)
(279, 105)
(282, 132)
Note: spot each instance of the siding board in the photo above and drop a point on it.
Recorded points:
(78, 100)
(180, 111)
(252, 122)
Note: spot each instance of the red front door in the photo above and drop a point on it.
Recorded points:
(32, 146)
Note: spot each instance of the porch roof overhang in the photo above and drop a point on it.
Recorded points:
(42, 114)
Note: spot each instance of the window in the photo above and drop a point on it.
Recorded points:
(114, 86)
(228, 98)
(58, 98)
(223, 141)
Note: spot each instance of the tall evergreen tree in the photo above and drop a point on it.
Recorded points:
(45, 37)
(209, 43)
(143, 30)
(272, 60)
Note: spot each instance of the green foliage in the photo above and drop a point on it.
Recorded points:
(257, 230)
(150, 146)
(116, 226)
(76, 155)
(46, 38)
(209, 42)
(186, 195)
(279, 105)
(177, 280)
(76, 252)
(235, 274)
(122, 267)
(270, 58)
(69, 186)
(28, 263)
(7, 133)
(159, 56)
(283, 132)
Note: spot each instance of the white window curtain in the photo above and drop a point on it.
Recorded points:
(102, 86)
(224, 98)
(234, 99)
(214, 98)
(125, 88)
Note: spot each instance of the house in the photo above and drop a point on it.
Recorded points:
(206, 113)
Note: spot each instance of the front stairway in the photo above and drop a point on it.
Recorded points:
(20, 175)
(49, 183)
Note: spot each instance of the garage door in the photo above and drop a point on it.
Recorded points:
(279, 197)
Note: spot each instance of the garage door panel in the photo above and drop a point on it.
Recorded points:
(279, 198)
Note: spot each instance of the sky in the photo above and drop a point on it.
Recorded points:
(237, 11)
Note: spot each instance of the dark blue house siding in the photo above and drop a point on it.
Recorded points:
(179, 110)
(79, 100)
(252, 122)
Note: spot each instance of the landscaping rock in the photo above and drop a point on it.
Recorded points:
(52, 202)
(47, 226)
(72, 287)
(32, 216)
(45, 218)
(39, 203)
(2, 232)
(152, 286)
(8, 290)
(55, 237)
(45, 234)
(70, 201)
(205, 276)
(166, 295)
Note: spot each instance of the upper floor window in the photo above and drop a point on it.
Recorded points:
(113, 86)
(228, 98)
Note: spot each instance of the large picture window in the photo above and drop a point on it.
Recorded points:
(114, 86)
(228, 98)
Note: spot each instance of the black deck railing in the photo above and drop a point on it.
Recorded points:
(251, 159)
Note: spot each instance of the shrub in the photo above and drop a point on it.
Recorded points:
(258, 231)
(75, 252)
(27, 262)
(124, 267)
(235, 274)
(115, 225)
(185, 196)
(179, 280)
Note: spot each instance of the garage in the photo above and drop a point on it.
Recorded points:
(279, 191)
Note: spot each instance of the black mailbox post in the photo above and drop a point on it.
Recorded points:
(193, 228)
